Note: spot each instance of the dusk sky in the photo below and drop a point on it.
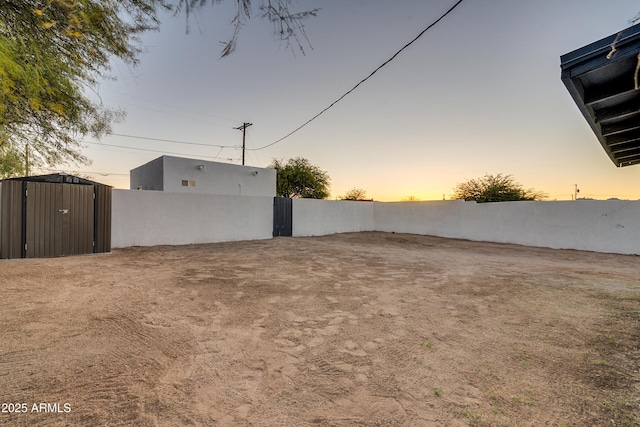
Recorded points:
(479, 93)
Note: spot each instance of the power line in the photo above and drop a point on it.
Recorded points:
(150, 150)
(173, 115)
(172, 141)
(254, 155)
(171, 106)
(365, 79)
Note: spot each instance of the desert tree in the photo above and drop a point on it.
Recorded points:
(54, 54)
(288, 25)
(12, 163)
(299, 178)
(495, 188)
(355, 194)
(410, 198)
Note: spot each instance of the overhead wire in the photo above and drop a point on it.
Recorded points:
(172, 140)
(172, 106)
(216, 157)
(252, 154)
(363, 80)
(143, 149)
(169, 113)
(222, 147)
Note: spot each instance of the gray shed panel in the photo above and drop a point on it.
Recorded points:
(11, 220)
(54, 215)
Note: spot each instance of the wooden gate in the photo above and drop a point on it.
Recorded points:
(282, 216)
(44, 219)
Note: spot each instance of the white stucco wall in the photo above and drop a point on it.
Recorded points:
(438, 218)
(313, 217)
(147, 218)
(148, 176)
(203, 177)
(602, 226)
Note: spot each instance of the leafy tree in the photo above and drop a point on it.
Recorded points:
(287, 25)
(495, 188)
(12, 163)
(355, 194)
(299, 178)
(52, 52)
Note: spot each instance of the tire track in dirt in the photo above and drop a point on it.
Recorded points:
(357, 329)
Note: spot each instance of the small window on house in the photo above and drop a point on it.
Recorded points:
(192, 183)
(185, 183)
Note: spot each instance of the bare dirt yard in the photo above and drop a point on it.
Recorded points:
(361, 329)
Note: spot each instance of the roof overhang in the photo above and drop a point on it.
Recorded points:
(57, 178)
(603, 80)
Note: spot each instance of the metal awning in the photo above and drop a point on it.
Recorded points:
(57, 178)
(603, 79)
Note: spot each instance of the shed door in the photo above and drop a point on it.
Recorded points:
(59, 220)
(282, 216)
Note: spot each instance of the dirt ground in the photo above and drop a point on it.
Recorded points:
(358, 329)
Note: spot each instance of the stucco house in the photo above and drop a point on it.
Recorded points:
(182, 175)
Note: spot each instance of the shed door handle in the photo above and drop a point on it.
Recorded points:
(64, 211)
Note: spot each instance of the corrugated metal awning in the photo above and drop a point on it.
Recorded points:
(58, 178)
(602, 78)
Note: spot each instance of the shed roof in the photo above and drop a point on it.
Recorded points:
(602, 78)
(57, 178)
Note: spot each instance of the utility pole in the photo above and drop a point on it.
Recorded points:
(243, 128)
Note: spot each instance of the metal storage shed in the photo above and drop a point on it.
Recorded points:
(54, 215)
(603, 80)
